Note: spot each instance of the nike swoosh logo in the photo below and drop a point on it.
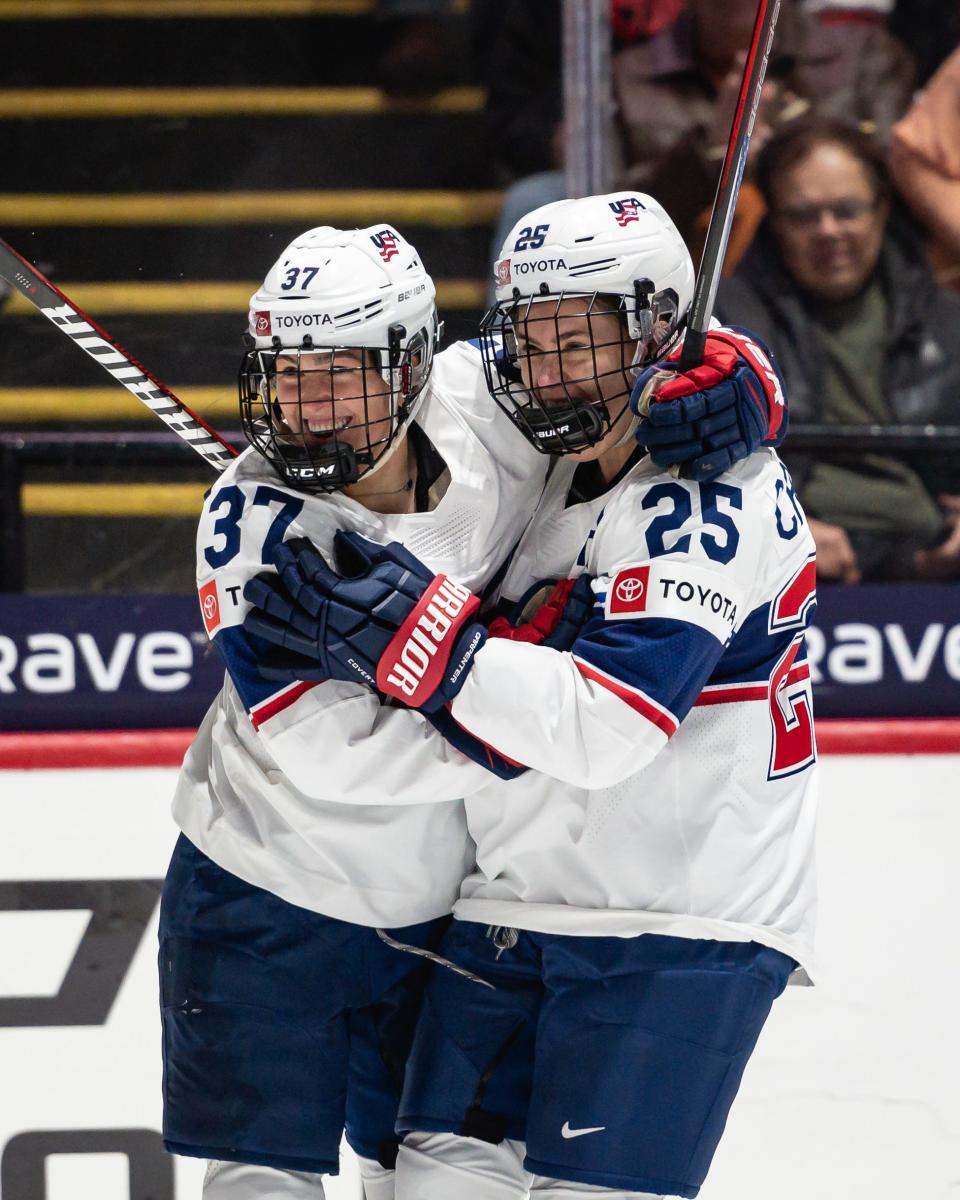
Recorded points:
(567, 1132)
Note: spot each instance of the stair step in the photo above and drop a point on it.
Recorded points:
(78, 103)
(58, 10)
(34, 406)
(113, 499)
(99, 299)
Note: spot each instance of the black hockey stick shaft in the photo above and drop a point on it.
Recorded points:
(117, 362)
(731, 176)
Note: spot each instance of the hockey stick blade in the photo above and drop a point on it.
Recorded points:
(731, 176)
(117, 362)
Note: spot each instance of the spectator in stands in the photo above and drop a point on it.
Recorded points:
(523, 70)
(863, 336)
(524, 66)
(676, 93)
(925, 163)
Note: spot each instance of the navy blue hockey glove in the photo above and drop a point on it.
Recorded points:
(557, 622)
(383, 619)
(706, 419)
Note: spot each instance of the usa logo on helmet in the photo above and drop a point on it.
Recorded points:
(386, 244)
(625, 211)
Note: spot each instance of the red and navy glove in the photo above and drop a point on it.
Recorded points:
(557, 622)
(387, 621)
(706, 419)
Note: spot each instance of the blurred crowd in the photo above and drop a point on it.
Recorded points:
(845, 250)
(844, 255)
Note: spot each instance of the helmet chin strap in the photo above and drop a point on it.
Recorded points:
(399, 437)
(633, 370)
(629, 434)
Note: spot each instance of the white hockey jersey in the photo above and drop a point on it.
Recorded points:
(263, 786)
(672, 750)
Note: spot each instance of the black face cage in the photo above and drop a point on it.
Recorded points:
(328, 419)
(590, 388)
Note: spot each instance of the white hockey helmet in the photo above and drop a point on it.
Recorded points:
(332, 291)
(620, 253)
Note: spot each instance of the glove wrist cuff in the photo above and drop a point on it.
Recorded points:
(471, 639)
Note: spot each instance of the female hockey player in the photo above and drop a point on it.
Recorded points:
(285, 1016)
(645, 888)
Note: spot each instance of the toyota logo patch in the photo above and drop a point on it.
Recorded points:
(210, 606)
(628, 592)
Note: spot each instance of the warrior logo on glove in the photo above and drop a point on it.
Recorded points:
(384, 618)
(411, 667)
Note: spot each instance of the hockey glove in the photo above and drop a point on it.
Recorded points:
(388, 621)
(556, 624)
(558, 620)
(706, 419)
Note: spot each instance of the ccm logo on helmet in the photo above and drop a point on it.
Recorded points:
(410, 669)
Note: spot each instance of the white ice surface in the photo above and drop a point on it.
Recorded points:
(853, 1093)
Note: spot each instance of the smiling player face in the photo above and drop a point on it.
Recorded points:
(569, 354)
(573, 352)
(327, 395)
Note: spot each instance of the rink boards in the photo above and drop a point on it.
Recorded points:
(852, 1090)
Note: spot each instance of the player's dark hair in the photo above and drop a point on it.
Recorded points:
(796, 139)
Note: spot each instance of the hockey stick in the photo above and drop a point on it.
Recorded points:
(731, 176)
(117, 362)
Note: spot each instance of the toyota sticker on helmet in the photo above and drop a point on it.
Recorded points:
(540, 265)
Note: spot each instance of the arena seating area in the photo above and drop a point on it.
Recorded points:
(158, 157)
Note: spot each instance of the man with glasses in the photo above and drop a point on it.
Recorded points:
(864, 336)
